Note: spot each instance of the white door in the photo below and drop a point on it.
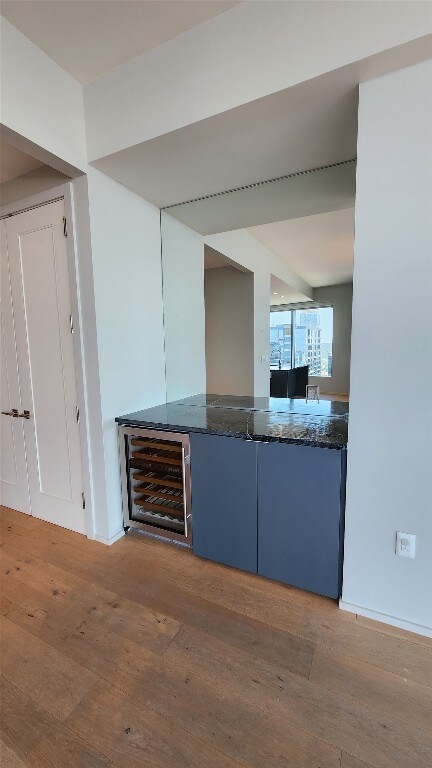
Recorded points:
(38, 266)
(14, 490)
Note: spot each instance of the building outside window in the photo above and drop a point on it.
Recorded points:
(302, 337)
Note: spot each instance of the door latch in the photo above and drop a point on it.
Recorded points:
(24, 415)
(13, 412)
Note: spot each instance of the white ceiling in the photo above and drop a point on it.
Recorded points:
(303, 127)
(90, 37)
(282, 293)
(328, 189)
(320, 249)
(215, 260)
(14, 163)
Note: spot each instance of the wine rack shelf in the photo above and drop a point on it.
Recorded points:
(156, 482)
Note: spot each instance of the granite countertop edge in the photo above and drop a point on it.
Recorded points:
(172, 427)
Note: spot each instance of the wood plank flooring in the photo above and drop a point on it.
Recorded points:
(142, 655)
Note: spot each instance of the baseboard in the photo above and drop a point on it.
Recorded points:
(112, 540)
(384, 618)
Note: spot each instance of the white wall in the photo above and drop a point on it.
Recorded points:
(291, 42)
(340, 296)
(244, 249)
(229, 326)
(184, 314)
(125, 246)
(90, 360)
(39, 100)
(390, 434)
(262, 332)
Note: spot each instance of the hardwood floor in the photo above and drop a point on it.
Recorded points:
(143, 656)
(336, 397)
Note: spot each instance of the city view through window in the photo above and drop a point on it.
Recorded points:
(302, 337)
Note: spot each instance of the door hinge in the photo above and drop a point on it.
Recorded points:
(77, 415)
(64, 226)
(71, 323)
(83, 499)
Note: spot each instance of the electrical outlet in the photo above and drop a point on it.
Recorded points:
(405, 544)
(264, 358)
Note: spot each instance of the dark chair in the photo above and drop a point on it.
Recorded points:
(279, 383)
(298, 380)
(289, 383)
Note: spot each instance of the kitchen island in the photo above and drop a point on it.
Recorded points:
(263, 482)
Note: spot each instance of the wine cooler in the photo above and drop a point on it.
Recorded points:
(155, 474)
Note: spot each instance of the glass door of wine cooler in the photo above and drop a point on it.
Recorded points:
(155, 469)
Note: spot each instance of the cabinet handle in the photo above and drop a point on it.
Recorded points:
(24, 415)
(13, 412)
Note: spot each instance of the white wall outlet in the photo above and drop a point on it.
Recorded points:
(405, 544)
(264, 358)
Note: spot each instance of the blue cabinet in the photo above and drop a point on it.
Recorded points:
(301, 496)
(276, 509)
(224, 499)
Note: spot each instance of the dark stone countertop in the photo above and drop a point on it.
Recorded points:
(323, 424)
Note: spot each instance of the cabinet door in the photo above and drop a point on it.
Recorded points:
(299, 516)
(224, 500)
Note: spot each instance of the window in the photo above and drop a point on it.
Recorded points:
(302, 336)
